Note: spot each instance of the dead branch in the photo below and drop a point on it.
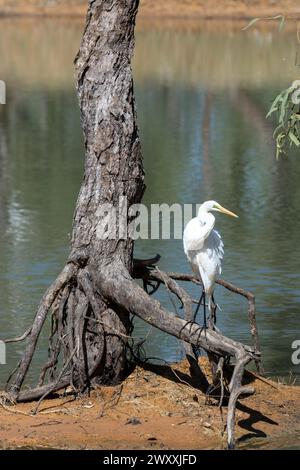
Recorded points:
(263, 379)
(251, 314)
(148, 274)
(19, 338)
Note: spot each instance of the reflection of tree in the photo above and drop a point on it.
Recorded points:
(254, 114)
(170, 135)
(206, 142)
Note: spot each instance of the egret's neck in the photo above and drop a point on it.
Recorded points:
(206, 218)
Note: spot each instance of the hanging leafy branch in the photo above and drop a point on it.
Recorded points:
(287, 111)
(286, 105)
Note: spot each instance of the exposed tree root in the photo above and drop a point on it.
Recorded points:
(81, 298)
(49, 297)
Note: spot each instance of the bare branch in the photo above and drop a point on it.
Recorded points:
(19, 338)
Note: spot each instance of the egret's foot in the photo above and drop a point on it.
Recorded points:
(203, 328)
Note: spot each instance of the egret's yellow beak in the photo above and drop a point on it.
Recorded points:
(225, 211)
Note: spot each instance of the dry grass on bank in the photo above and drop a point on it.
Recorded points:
(161, 8)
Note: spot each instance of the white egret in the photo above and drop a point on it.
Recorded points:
(204, 249)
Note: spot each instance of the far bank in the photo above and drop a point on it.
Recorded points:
(235, 9)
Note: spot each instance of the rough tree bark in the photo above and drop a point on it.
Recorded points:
(91, 301)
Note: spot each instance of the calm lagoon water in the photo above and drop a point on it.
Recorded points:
(202, 96)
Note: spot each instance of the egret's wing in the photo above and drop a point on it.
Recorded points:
(209, 259)
(215, 249)
(194, 235)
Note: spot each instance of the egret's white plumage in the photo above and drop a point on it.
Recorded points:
(204, 247)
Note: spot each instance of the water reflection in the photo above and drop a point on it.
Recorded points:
(202, 97)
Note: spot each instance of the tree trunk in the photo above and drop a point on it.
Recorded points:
(113, 165)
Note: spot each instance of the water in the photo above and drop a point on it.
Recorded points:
(202, 95)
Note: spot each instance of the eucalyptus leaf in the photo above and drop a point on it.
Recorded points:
(284, 106)
(274, 105)
(277, 130)
(294, 139)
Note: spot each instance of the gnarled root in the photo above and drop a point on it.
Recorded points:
(48, 299)
(89, 307)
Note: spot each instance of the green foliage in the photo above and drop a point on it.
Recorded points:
(287, 111)
(287, 133)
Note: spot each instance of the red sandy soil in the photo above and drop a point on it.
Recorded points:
(155, 408)
(162, 8)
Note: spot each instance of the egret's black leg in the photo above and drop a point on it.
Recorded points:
(214, 309)
(204, 310)
(213, 319)
(198, 306)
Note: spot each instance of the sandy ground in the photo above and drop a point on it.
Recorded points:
(162, 8)
(155, 408)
